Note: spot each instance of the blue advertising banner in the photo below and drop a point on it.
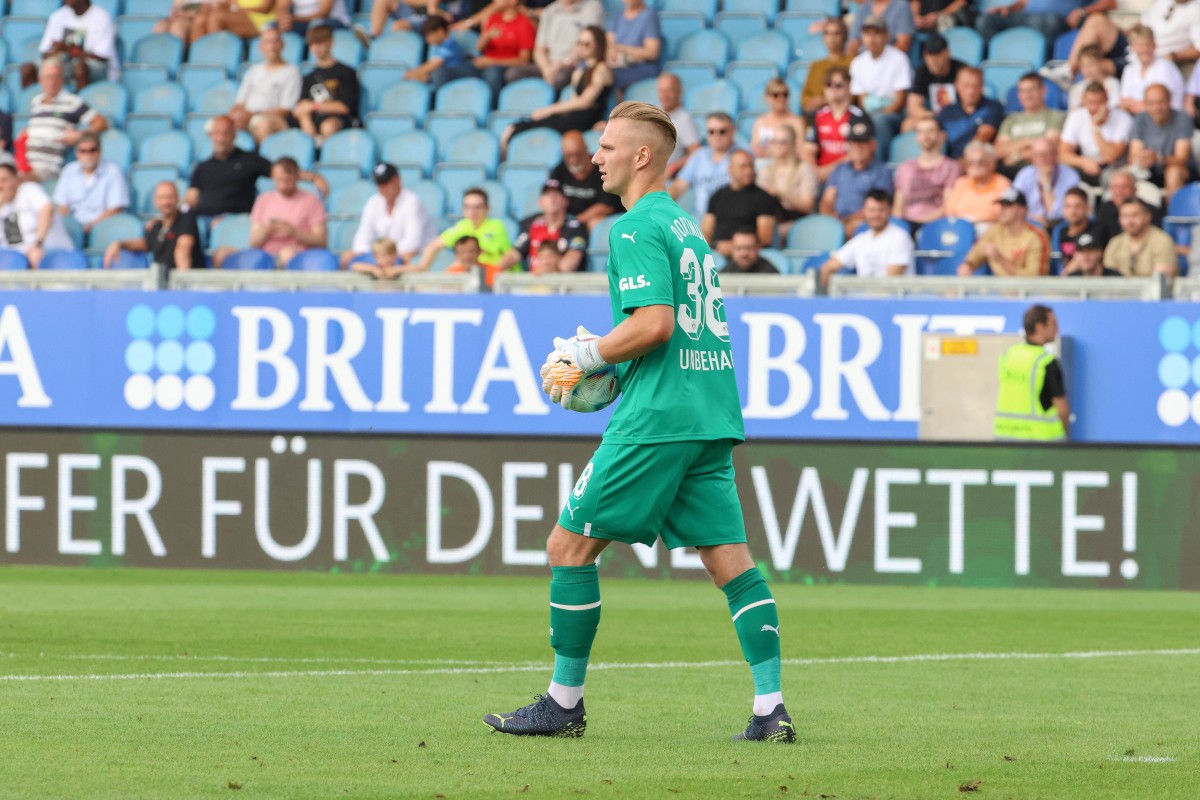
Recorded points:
(350, 362)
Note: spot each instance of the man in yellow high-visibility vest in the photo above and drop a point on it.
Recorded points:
(1031, 404)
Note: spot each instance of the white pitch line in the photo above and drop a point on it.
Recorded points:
(1147, 759)
(539, 667)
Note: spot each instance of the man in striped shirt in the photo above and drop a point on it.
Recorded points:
(57, 120)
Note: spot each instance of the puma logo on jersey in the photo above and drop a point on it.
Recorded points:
(626, 284)
(630, 236)
(570, 510)
(766, 628)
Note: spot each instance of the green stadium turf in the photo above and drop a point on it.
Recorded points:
(166, 684)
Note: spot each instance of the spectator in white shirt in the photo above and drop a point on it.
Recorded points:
(883, 249)
(1147, 69)
(1095, 136)
(27, 219)
(269, 90)
(393, 213)
(881, 76)
(86, 37)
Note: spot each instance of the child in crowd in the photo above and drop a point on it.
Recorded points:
(466, 257)
(384, 263)
(545, 261)
(1091, 65)
(444, 53)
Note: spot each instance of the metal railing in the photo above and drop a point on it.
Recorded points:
(145, 279)
(341, 281)
(1152, 288)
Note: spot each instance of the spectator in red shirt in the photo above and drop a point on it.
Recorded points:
(506, 42)
(826, 131)
(555, 225)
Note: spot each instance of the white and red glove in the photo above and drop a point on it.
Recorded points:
(569, 362)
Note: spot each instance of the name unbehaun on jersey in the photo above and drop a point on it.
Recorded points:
(705, 360)
(686, 226)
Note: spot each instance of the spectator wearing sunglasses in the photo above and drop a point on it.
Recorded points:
(89, 188)
(777, 114)
(708, 168)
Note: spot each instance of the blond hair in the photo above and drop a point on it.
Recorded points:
(383, 247)
(653, 115)
(1140, 31)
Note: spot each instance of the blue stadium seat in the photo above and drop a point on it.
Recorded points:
(524, 183)
(498, 121)
(196, 79)
(142, 180)
(807, 46)
(643, 91)
(108, 98)
(904, 146)
(717, 96)
(161, 49)
(248, 259)
(767, 8)
(525, 95)
(1002, 76)
(352, 146)
(313, 260)
(777, 258)
(415, 147)
(738, 25)
(751, 79)
(113, 7)
(942, 245)
(130, 260)
(431, 195)
(349, 200)
(692, 74)
(536, 146)
(117, 147)
(141, 127)
(476, 147)
(445, 125)
(168, 148)
(385, 125)
(132, 29)
(374, 79)
(231, 230)
(341, 234)
(765, 46)
(293, 49)
(30, 8)
(470, 95)
(710, 46)
(457, 178)
(408, 97)
(18, 31)
(151, 7)
(13, 260)
(814, 233)
(823, 8)
(410, 174)
(64, 259)
(966, 45)
(216, 99)
(397, 47)
(169, 99)
(22, 103)
(1018, 44)
(598, 243)
(291, 142)
(1063, 44)
(339, 175)
(222, 49)
(706, 8)
(347, 48)
(135, 77)
(677, 26)
(1183, 213)
(113, 229)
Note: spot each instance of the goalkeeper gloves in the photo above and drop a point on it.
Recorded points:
(569, 362)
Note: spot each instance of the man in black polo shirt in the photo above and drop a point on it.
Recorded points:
(225, 183)
(745, 258)
(172, 238)
(580, 181)
(739, 204)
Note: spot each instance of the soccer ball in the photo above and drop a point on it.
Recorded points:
(593, 392)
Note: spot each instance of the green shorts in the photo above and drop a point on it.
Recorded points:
(683, 491)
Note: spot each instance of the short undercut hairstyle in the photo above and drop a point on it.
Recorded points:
(653, 115)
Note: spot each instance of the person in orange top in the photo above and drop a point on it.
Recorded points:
(973, 196)
(466, 259)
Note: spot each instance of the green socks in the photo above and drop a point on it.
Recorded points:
(756, 620)
(574, 617)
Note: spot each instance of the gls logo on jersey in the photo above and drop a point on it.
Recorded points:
(628, 284)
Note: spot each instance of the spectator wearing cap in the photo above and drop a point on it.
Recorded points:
(1011, 247)
(922, 182)
(933, 84)
(1141, 249)
(1160, 147)
(553, 224)
(828, 126)
(708, 168)
(392, 213)
(287, 220)
(846, 190)
(884, 249)
(971, 117)
(90, 189)
(1088, 260)
(1095, 137)
(1050, 17)
(1034, 122)
(741, 203)
(745, 255)
(328, 94)
(880, 76)
(1075, 224)
(834, 35)
(489, 232)
(1044, 183)
(895, 17)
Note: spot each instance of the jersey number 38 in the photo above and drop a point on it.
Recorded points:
(706, 308)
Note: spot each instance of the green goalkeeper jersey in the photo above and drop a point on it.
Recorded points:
(685, 389)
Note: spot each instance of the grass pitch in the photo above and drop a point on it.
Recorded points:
(123, 683)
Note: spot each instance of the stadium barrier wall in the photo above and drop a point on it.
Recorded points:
(808, 368)
(977, 515)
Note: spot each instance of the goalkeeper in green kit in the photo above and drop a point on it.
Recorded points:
(665, 464)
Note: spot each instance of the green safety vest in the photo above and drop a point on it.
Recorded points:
(1019, 413)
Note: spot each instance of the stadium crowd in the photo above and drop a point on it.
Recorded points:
(887, 137)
